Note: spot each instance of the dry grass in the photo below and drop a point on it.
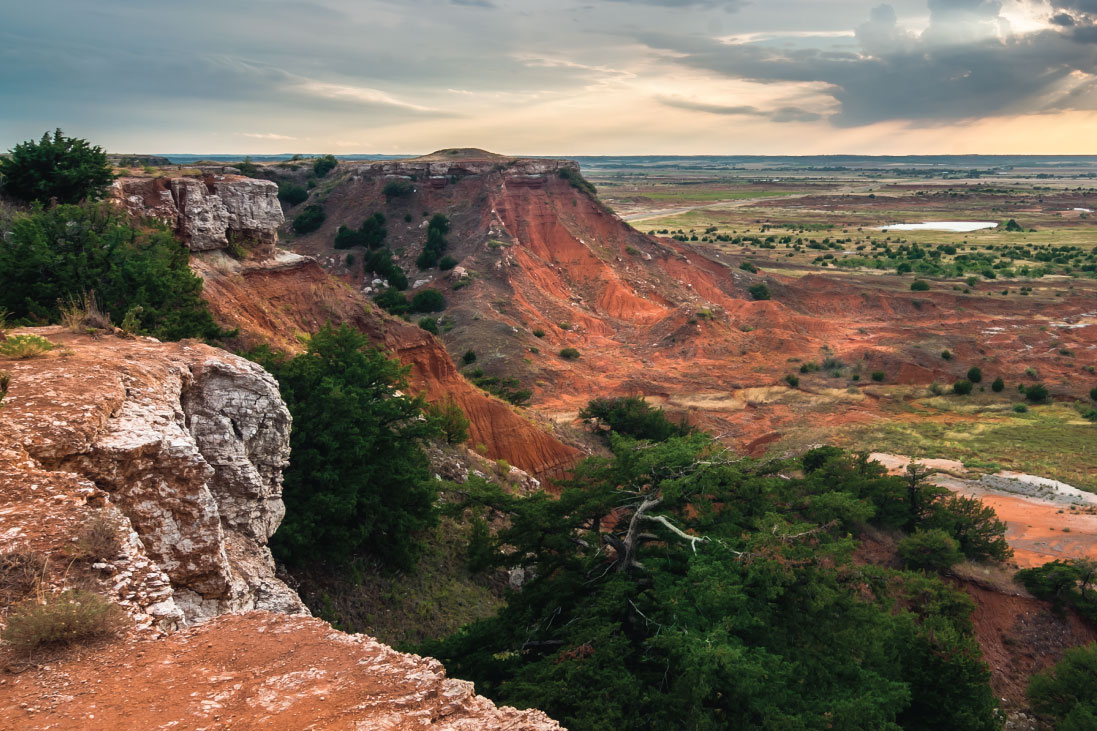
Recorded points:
(20, 572)
(22, 347)
(81, 314)
(98, 539)
(62, 618)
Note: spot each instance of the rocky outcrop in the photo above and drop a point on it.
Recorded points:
(186, 441)
(208, 212)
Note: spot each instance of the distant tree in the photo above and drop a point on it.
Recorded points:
(324, 165)
(392, 300)
(962, 388)
(975, 374)
(430, 324)
(1013, 227)
(998, 386)
(428, 300)
(759, 291)
(398, 189)
(67, 169)
(1037, 393)
(946, 354)
(878, 376)
(919, 285)
(569, 354)
(1093, 394)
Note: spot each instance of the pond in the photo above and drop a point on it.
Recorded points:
(954, 226)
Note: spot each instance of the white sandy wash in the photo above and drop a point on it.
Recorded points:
(954, 226)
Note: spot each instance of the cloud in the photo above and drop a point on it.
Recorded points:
(266, 136)
(781, 114)
(966, 64)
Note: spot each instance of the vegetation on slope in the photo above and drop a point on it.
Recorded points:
(675, 585)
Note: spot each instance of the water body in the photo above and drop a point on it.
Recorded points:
(954, 226)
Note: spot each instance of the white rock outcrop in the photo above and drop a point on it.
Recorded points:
(207, 212)
(187, 441)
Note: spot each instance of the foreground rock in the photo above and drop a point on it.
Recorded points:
(183, 443)
(254, 671)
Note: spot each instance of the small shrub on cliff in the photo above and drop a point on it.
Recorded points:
(429, 300)
(66, 169)
(309, 219)
(451, 420)
(5, 383)
(98, 540)
(20, 572)
(24, 347)
(919, 285)
(998, 386)
(358, 480)
(962, 388)
(1037, 393)
(62, 618)
(398, 189)
(975, 374)
(569, 354)
(59, 254)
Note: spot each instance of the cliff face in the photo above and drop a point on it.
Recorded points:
(185, 442)
(180, 447)
(207, 212)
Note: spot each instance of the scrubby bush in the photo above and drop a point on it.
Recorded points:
(878, 376)
(324, 165)
(21, 571)
(53, 256)
(358, 479)
(793, 381)
(748, 267)
(430, 324)
(540, 333)
(1037, 393)
(99, 539)
(468, 357)
(292, 194)
(946, 354)
(1093, 394)
(975, 374)
(446, 263)
(450, 419)
(962, 388)
(5, 383)
(759, 291)
(1020, 409)
(64, 169)
(919, 285)
(62, 618)
(380, 262)
(931, 550)
(436, 242)
(633, 416)
(309, 219)
(998, 386)
(428, 300)
(569, 354)
(370, 234)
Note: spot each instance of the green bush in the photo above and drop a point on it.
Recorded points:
(1093, 394)
(569, 354)
(436, 242)
(398, 188)
(931, 550)
(392, 300)
(633, 416)
(919, 285)
(370, 234)
(324, 165)
(292, 194)
(446, 263)
(975, 374)
(878, 376)
(962, 388)
(998, 386)
(540, 333)
(468, 357)
(381, 263)
(576, 180)
(56, 255)
(1037, 393)
(5, 384)
(358, 479)
(1020, 409)
(748, 267)
(430, 324)
(1067, 692)
(67, 169)
(24, 347)
(309, 219)
(793, 381)
(759, 291)
(428, 300)
(946, 354)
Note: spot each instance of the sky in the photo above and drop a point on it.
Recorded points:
(548, 77)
